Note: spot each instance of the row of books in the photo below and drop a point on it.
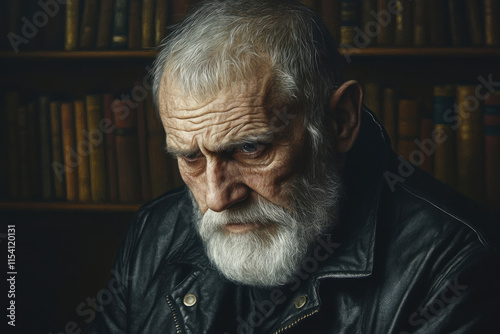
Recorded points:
(457, 139)
(89, 24)
(93, 149)
(362, 23)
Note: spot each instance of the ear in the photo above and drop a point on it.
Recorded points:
(344, 115)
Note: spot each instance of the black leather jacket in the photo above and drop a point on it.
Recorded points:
(409, 256)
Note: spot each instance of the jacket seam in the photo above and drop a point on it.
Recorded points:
(483, 241)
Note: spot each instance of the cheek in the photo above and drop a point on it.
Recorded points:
(195, 184)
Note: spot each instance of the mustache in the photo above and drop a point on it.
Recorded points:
(260, 212)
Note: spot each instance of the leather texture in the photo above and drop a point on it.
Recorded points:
(409, 255)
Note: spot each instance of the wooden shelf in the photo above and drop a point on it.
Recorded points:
(476, 52)
(65, 206)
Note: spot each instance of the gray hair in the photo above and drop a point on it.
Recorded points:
(222, 42)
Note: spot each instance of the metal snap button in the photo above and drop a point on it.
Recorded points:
(189, 300)
(301, 301)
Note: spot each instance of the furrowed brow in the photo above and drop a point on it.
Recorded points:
(179, 152)
(265, 138)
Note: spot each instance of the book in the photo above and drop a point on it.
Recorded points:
(127, 152)
(57, 164)
(444, 119)
(408, 120)
(119, 28)
(492, 147)
(134, 24)
(437, 22)
(147, 24)
(368, 25)
(178, 10)
(420, 15)
(458, 22)
(12, 107)
(160, 169)
(372, 96)
(426, 141)
(143, 152)
(349, 19)
(386, 23)
(474, 21)
(161, 14)
(88, 25)
(110, 149)
(69, 152)
(71, 37)
(53, 33)
(330, 12)
(389, 108)
(403, 35)
(470, 144)
(83, 151)
(491, 10)
(104, 24)
(97, 156)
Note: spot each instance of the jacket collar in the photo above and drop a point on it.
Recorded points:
(363, 177)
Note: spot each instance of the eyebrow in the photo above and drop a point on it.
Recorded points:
(265, 138)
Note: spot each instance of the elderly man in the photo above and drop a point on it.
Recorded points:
(290, 221)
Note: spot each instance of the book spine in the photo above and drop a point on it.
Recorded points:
(111, 149)
(69, 152)
(437, 22)
(104, 24)
(119, 29)
(127, 152)
(389, 114)
(88, 26)
(160, 21)
(12, 106)
(372, 98)
(178, 11)
(83, 150)
(474, 20)
(491, 22)
(53, 34)
(57, 154)
(160, 171)
(349, 19)
(470, 140)
(443, 117)
(368, 7)
(147, 23)
(330, 12)
(404, 33)
(386, 22)
(408, 115)
(71, 39)
(33, 151)
(97, 156)
(134, 24)
(458, 22)
(420, 22)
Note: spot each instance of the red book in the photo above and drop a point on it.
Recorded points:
(492, 149)
(111, 150)
(127, 152)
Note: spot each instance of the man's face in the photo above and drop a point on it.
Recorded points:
(236, 147)
(260, 202)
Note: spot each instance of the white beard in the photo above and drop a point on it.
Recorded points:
(270, 254)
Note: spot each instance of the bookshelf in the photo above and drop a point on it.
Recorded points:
(97, 228)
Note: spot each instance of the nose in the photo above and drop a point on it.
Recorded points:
(224, 185)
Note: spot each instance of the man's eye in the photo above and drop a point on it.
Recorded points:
(191, 157)
(251, 148)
